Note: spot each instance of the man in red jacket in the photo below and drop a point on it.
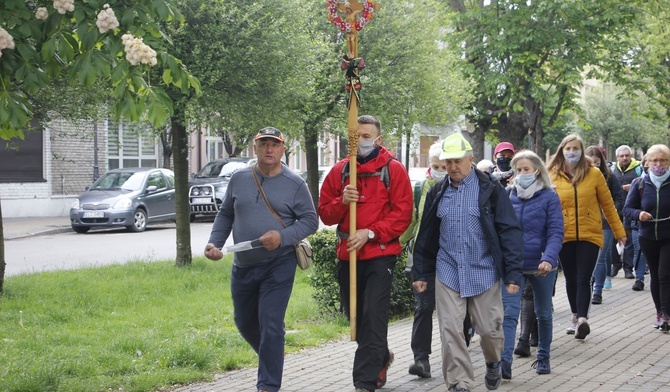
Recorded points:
(383, 194)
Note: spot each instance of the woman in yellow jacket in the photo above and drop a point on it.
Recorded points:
(583, 192)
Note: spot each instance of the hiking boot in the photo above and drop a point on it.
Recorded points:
(583, 328)
(506, 367)
(522, 348)
(608, 283)
(665, 323)
(420, 368)
(629, 275)
(597, 299)
(615, 270)
(541, 366)
(493, 376)
(638, 285)
(381, 378)
(573, 326)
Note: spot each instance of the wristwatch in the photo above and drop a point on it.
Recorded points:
(371, 234)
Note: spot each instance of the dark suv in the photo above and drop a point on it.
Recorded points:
(208, 186)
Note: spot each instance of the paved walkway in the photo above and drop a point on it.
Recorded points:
(622, 353)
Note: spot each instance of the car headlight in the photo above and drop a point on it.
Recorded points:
(221, 189)
(75, 204)
(195, 192)
(123, 203)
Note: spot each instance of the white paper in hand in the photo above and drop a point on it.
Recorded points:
(242, 246)
(619, 249)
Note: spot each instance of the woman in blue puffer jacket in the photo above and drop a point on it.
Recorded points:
(539, 211)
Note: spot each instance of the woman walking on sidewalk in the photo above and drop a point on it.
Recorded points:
(583, 192)
(649, 203)
(539, 211)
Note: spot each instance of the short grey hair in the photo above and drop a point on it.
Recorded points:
(435, 150)
(538, 165)
(621, 148)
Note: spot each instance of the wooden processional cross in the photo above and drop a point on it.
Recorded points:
(350, 17)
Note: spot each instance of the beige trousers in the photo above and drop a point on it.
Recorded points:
(486, 313)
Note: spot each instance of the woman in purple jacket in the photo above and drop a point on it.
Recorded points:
(539, 211)
(648, 202)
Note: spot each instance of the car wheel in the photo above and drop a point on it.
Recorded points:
(139, 221)
(81, 229)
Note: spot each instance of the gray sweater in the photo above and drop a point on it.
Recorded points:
(245, 214)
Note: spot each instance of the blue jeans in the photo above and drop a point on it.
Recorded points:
(260, 297)
(639, 261)
(543, 289)
(604, 264)
(511, 309)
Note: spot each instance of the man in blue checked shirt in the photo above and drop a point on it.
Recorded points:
(469, 239)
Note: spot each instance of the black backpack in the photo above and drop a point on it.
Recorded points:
(383, 174)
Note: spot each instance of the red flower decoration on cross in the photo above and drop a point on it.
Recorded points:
(345, 26)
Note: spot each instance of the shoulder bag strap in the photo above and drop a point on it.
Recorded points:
(267, 203)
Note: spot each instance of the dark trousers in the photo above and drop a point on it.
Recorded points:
(624, 261)
(260, 297)
(374, 278)
(579, 260)
(657, 254)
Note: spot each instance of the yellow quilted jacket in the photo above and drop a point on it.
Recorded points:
(581, 206)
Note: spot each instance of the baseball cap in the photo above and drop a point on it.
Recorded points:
(271, 132)
(455, 146)
(503, 146)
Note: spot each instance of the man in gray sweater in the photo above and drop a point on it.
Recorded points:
(262, 278)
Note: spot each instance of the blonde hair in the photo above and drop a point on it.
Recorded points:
(543, 174)
(557, 162)
(658, 148)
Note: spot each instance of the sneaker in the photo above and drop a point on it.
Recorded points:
(506, 367)
(629, 275)
(420, 368)
(665, 323)
(381, 378)
(461, 390)
(583, 328)
(597, 299)
(573, 326)
(638, 285)
(541, 366)
(493, 376)
(658, 322)
(522, 348)
(608, 283)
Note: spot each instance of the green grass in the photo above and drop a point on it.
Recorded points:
(135, 327)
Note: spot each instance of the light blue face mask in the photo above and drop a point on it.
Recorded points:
(365, 147)
(438, 175)
(525, 180)
(572, 157)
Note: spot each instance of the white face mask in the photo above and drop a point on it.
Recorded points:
(365, 147)
(438, 175)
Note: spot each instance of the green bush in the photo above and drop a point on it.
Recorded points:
(324, 278)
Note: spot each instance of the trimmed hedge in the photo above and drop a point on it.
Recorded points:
(323, 276)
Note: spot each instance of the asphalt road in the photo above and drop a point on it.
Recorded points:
(70, 250)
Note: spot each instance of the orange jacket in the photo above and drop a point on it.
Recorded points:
(582, 205)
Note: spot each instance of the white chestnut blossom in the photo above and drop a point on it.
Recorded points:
(137, 51)
(63, 6)
(6, 40)
(42, 13)
(107, 20)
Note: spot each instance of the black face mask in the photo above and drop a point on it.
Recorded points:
(504, 164)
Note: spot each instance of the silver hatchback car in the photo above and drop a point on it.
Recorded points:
(130, 198)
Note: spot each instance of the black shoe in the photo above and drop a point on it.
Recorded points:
(506, 370)
(522, 349)
(665, 323)
(597, 299)
(629, 275)
(615, 270)
(638, 285)
(493, 376)
(420, 368)
(583, 329)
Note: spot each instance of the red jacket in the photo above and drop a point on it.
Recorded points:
(387, 212)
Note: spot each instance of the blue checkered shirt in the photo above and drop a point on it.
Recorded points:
(464, 261)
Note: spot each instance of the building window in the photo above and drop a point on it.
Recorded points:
(131, 145)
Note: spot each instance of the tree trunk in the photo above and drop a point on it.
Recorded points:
(183, 209)
(2, 253)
